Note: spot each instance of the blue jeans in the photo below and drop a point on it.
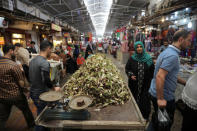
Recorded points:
(170, 108)
(40, 105)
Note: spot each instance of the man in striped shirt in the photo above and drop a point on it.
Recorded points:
(11, 89)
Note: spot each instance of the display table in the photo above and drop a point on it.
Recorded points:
(185, 72)
(55, 69)
(126, 116)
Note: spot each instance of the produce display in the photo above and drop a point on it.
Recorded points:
(100, 79)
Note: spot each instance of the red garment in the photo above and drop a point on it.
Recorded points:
(80, 61)
(100, 45)
(189, 52)
(69, 50)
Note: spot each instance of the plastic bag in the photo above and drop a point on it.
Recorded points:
(162, 120)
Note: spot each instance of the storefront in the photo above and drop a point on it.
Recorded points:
(67, 37)
(18, 38)
(57, 37)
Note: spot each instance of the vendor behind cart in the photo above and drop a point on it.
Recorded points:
(39, 69)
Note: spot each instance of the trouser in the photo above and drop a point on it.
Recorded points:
(115, 54)
(22, 104)
(189, 119)
(106, 51)
(170, 108)
(26, 70)
(40, 105)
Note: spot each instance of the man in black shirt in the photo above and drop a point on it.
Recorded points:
(32, 48)
(39, 75)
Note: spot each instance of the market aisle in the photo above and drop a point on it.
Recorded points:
(17, 122)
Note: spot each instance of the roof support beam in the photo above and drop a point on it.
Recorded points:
(130, 2)
(43, 2)
(53, 8)
(128, 6)
(69, 11)
(66, 5)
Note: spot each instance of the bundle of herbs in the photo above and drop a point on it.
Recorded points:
(100, 79)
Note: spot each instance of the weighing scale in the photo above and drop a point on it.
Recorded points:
(65, 109)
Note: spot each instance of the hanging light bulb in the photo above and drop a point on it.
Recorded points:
(189, 25)
(175, 22)
(187, 9)
(143, 13)
(176, 13)
(166, 18)
(163, 19)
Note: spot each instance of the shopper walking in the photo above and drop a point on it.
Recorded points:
(189, 97)
(139, 69)
(88, 48)
(39, 70)
(76, 52)
(105, 46)
(164, 46)
(32, 48)
(71, 64)
(165, 78)
(114, 49)
(11, 89)
(22, 55)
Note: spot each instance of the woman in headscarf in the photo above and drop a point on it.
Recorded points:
(140, 69)
(88, 49)
(76, 52)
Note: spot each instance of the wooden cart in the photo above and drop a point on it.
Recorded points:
(125, 116)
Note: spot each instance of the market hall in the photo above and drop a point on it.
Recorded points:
(116, 65)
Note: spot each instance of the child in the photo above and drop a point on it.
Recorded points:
(89, 54)
(80, 60)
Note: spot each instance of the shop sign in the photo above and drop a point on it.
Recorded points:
(121, 29)
(56, 27)
(66, 34)
(2, 41)
(18, 36)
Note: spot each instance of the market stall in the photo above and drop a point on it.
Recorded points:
(126, 116)
(186, 70)
(55, 69)
(112, 107)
